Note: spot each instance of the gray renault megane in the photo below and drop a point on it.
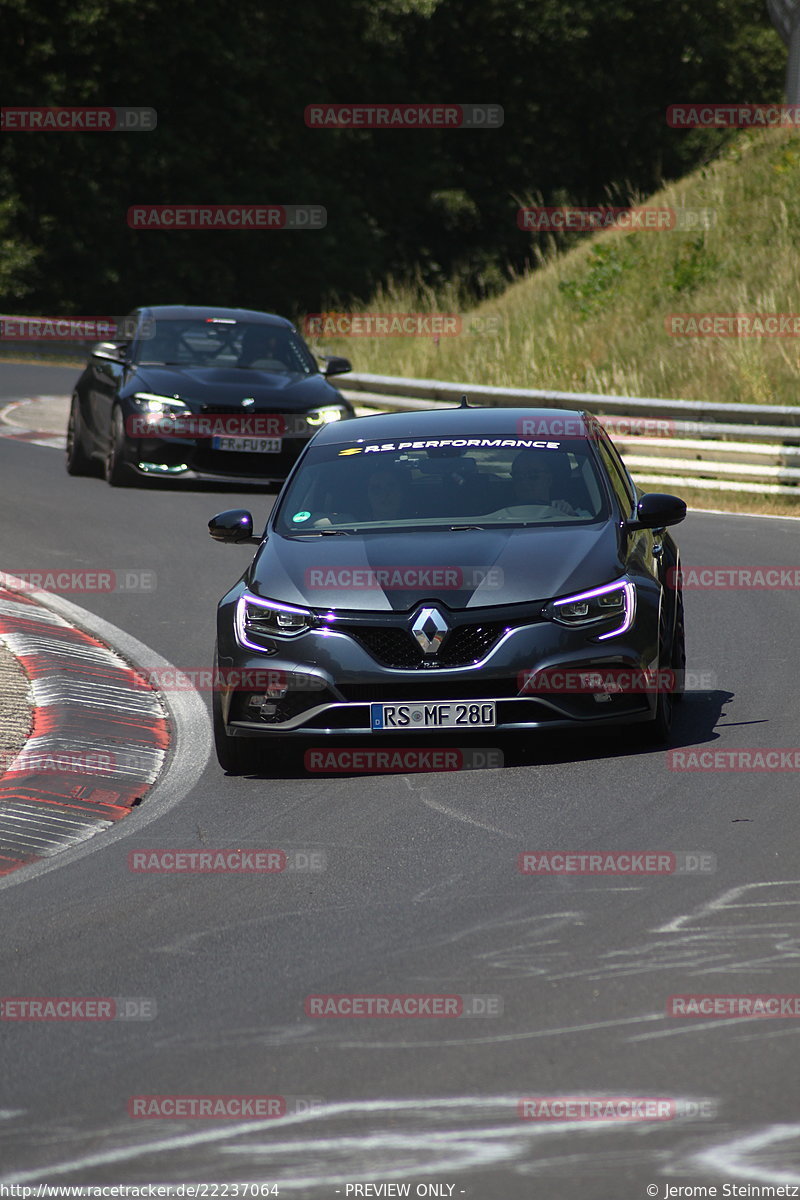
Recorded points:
(458, 569)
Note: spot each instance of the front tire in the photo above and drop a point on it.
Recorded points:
(679, 651)
(659, 731)
(117, 472)
(78, 461)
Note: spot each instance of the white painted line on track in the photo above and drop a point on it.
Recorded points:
(188, 754)
(396, 1138)
(738, 1159)
(722, 512)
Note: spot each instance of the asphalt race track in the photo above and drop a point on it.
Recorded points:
(420, 894)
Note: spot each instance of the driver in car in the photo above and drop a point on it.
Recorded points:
(262, 344)
(540, 478)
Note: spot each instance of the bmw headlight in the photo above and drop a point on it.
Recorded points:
(324, 416)
(258, 619)
(159, 406)
(613, 602)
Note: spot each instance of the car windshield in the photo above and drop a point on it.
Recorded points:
(224, 342)
(442, 482)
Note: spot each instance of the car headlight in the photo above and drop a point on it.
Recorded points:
(614, 601)
(324, 416)
(159, 406)
(259, 619)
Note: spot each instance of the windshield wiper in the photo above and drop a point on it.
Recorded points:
(317, 532)
(461, 528)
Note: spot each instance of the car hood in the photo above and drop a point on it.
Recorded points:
(225, 387)
(466, 569)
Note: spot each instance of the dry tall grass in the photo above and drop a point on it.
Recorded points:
(592, 318)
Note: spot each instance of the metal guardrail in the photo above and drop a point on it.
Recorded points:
(751, 448)
(725, 447)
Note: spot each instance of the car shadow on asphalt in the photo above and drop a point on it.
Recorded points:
(695, 723)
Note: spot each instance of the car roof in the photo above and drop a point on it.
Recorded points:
(176, 312)
(459, 422)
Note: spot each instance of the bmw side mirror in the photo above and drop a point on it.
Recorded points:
(657, 510)
(233, 526)
(336, 366)
(109, 351)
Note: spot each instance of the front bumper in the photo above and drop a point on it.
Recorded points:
(195, 460)
(331, 680)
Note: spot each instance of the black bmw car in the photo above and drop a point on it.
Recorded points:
(221, 394)
(459, 569)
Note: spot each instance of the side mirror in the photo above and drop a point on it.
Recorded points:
(657, 510)
(109, 351)
(336, 366)
(234, 526)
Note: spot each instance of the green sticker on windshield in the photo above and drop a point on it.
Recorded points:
(301, 516)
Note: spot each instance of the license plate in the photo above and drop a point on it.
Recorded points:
(450, 714)
(248, 445)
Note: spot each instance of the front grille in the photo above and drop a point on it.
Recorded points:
(231, 462)
(396, 646)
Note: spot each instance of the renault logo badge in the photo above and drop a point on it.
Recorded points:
(429, 630)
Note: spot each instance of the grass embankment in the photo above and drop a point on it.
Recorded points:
(593, 317)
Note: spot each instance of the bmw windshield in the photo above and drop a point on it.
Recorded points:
(223, 342)
(442, 483)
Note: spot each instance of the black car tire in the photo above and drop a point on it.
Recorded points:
(78, 461)
(679, 650)
(658, 731)
(117, 472)
(236, 756)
